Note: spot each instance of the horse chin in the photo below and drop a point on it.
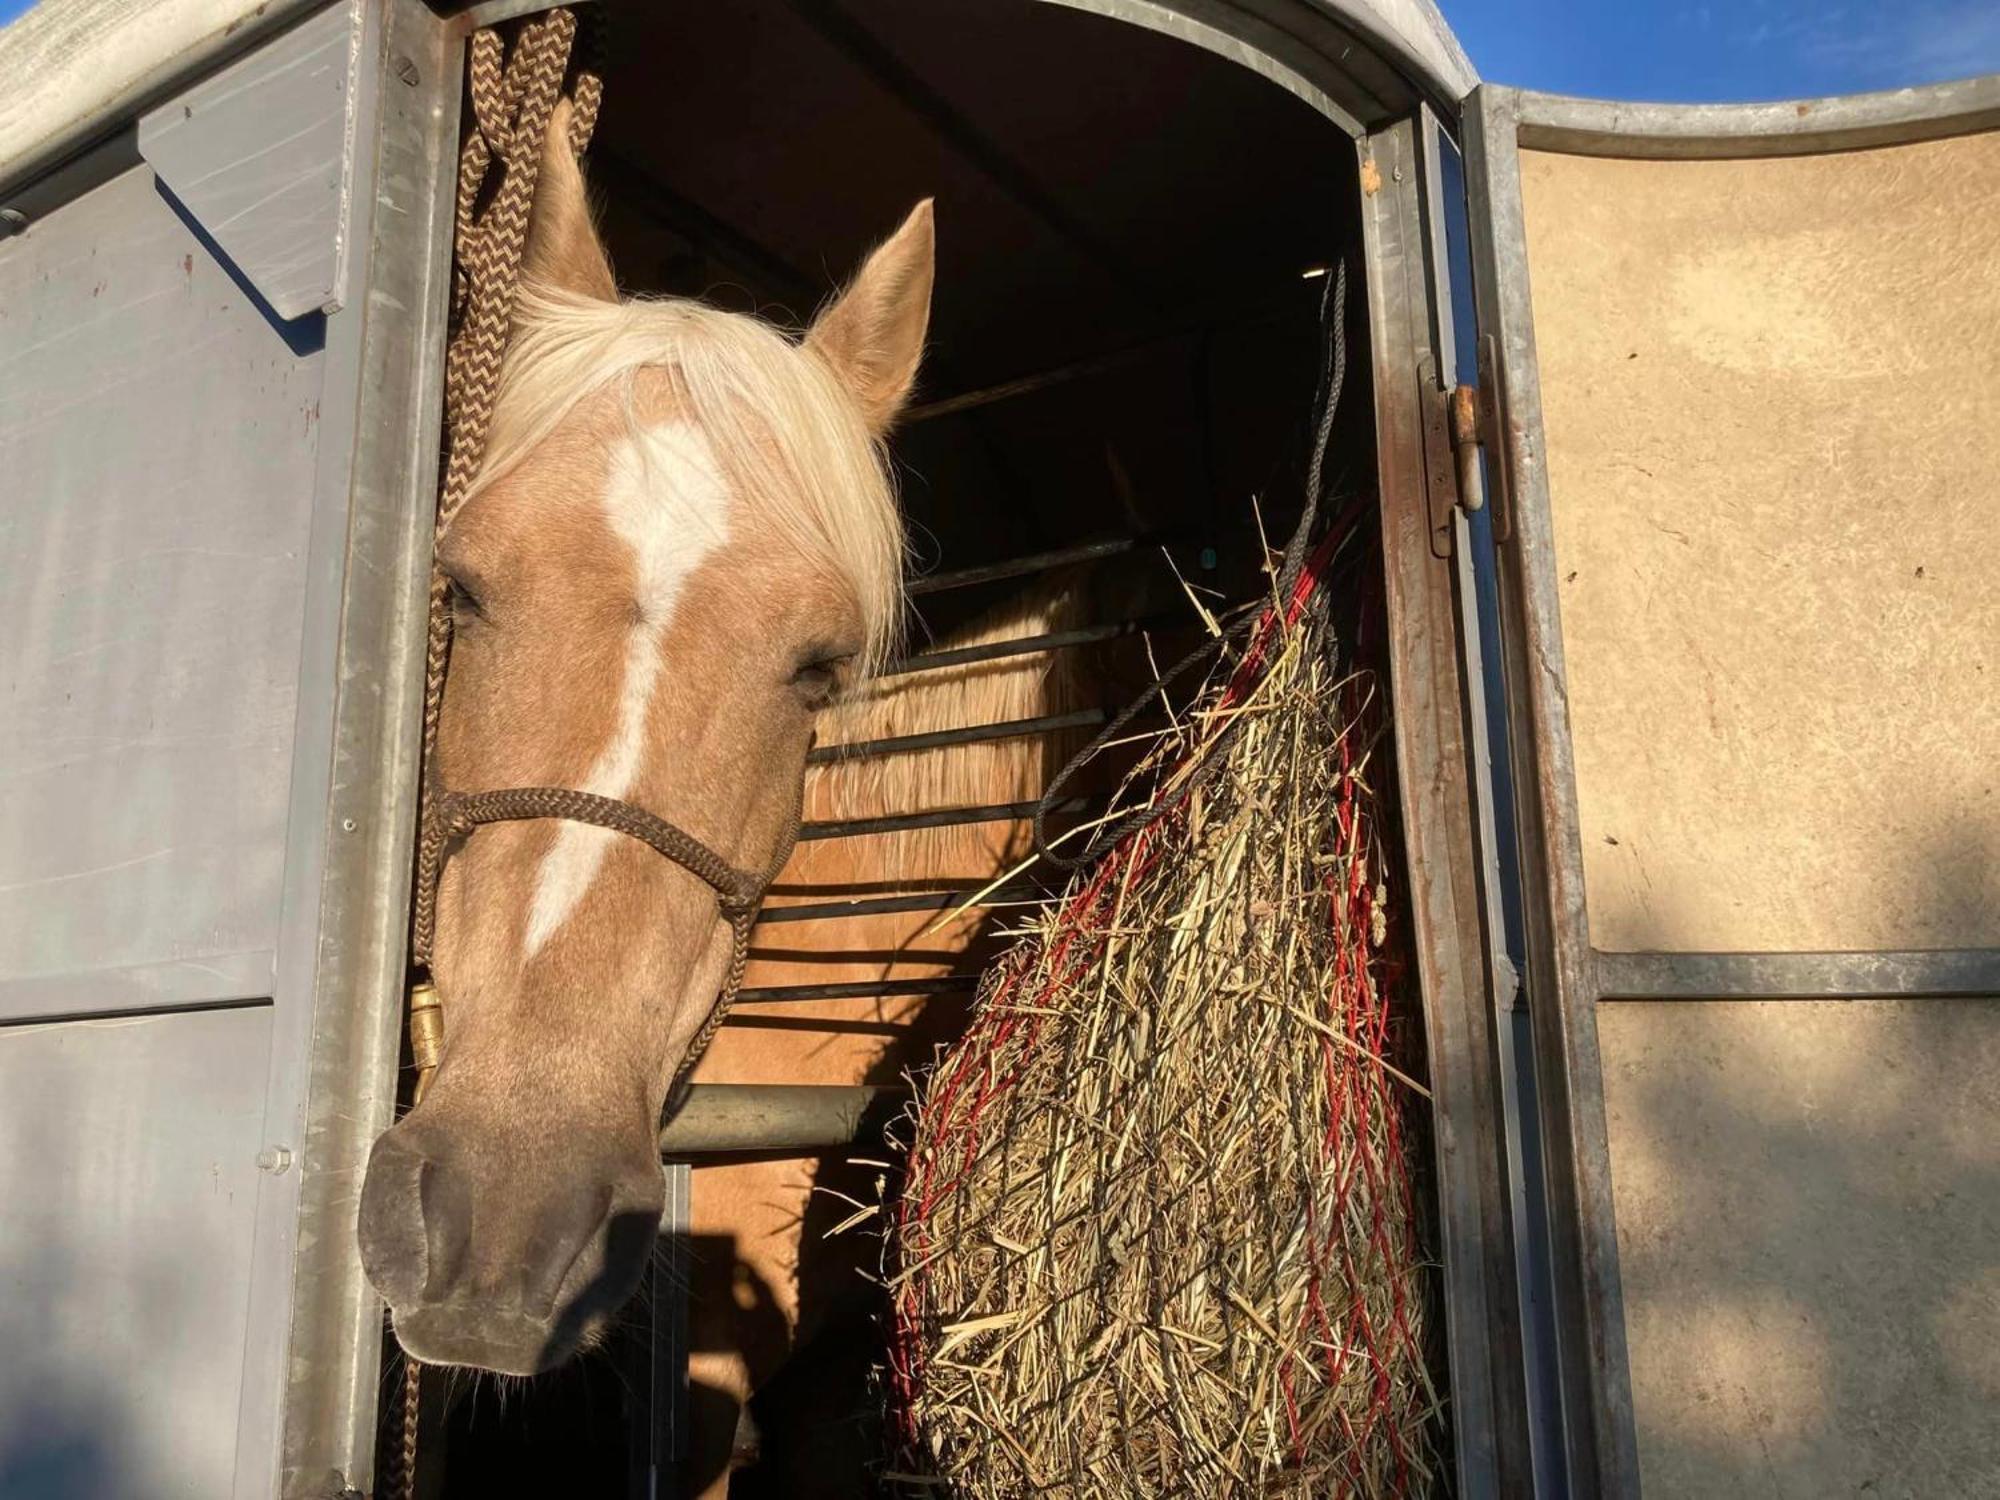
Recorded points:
(500, 1344)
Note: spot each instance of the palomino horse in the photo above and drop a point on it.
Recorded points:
(681, 549)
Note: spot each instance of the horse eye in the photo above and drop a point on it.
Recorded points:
(818, 677)
(463, 599)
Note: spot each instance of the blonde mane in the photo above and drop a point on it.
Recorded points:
(781, 423)
(786, 430)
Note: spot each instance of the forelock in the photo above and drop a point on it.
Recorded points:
(779, 422)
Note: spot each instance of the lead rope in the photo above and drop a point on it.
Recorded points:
(513, 96)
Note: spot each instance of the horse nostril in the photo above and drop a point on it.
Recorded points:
(499, 1260)
(416, 1220)
(567, 1238)
(444, 1201)
(394, 1252)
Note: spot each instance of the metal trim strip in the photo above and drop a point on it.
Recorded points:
(1903, 974)
(1440, 861)
(1792, 127)
(381, 460)
(1602, 1442)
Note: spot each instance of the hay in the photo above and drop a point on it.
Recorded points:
(1157, 1235)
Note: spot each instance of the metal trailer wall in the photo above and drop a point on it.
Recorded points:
(287, 1374)
(219, 332)
(1747, 365)
(1777, 474)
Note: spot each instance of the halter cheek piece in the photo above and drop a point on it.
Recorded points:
(450, 816)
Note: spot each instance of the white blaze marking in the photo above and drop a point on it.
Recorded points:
(666, 499)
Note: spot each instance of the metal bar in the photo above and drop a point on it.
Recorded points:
(1934, 973)
(864, 989)
(944, 817)
(1079, 369)
(398, 283)
(877, 906)
(1531, 1396)
(1024, 645)
(667, 1390)
(1791, 127)
(1441, 861)
(722, 1117)
(1016, 567)
(1027, 385)
(1601, 1456)
(972, 734)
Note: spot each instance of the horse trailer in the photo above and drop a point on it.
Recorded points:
(1678, 428)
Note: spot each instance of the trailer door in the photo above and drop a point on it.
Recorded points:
(1740, 370)
(220, 333)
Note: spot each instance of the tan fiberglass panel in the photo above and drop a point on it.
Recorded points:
(1772, 399)
(1808, 1205)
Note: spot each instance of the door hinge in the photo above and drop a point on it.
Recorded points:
(1463, 406)
(1464, 466)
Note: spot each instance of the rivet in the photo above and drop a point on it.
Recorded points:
(347, 825)
(274, 1159)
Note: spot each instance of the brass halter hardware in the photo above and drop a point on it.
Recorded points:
(450, 816)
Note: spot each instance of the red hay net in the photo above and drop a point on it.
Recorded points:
(1361, 1319)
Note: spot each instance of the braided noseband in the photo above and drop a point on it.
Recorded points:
(450, 816)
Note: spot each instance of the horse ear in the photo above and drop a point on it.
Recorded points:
(563, 249)
(873, 334)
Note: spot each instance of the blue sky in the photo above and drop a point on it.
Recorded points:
(1707, 49)
(1717, 50)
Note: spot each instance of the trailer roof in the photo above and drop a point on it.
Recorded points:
(79, 68)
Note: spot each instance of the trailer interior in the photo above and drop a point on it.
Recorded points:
(1135, 238)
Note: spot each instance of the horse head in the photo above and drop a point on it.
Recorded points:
(681, 544)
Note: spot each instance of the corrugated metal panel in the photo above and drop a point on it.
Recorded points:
(158, 436)
(257, 155)
(125, 1248)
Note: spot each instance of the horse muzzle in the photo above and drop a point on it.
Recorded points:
(499, 1259)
